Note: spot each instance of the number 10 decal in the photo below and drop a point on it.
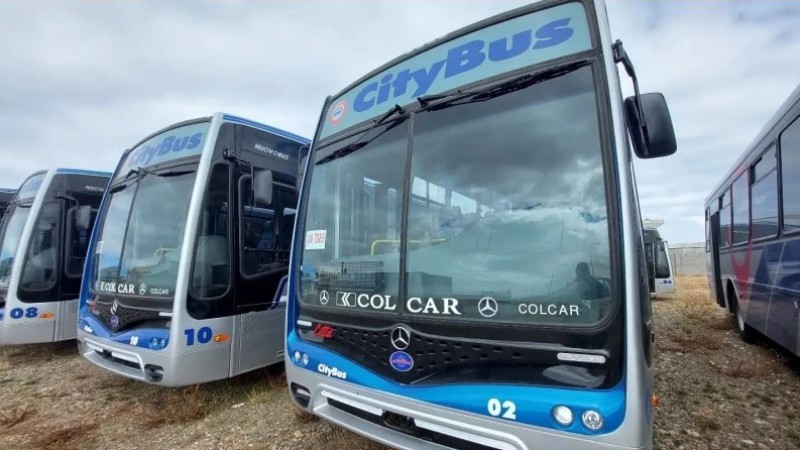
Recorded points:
(203, 335)
(506, 409)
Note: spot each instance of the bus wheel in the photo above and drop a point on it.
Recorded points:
(746, 332)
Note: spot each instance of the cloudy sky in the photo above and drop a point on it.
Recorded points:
(83, 80)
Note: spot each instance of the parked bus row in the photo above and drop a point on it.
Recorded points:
(458, 261)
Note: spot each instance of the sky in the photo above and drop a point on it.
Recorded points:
(84, 80)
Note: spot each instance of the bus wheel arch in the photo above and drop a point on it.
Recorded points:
(746, 332)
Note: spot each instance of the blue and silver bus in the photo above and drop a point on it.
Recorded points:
(753, 233)
(191, 254)
(468, 268)
(44, 239)
(5, 198)
(659, 263)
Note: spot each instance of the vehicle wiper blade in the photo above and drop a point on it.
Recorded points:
(361, 142)
(496, 90)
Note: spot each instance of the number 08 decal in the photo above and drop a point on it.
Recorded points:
(19, 313)
(506, 409)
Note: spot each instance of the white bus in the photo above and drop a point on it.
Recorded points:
(44, 238)
(191, 253)
(659, 263)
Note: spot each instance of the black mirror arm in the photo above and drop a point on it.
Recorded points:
(621, 56)
(233, 156)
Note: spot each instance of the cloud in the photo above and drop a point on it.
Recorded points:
(85, 80)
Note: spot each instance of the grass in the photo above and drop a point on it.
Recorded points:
(16, 415)
(72, 437)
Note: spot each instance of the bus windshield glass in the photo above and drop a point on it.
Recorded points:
(505, 212)
(10, 236)
(138, 249)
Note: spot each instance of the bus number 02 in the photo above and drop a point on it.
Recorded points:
(203, 335)
(18, 313)
(506, 409)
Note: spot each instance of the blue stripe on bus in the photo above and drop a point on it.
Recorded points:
(273, 130)
(534, 404)
(92, 173)
(142, 336)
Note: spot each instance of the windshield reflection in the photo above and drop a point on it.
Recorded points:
(507, 202)
(139, 246)
(11, 235)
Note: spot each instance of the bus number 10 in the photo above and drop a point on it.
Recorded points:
(203, 335)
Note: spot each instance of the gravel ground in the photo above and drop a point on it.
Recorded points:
(716, 393)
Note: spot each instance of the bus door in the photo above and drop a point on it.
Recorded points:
(715, 245)
(266, 208)
(650, 256)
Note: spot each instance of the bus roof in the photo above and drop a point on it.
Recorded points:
(91, 173)
(756, 146)
(267, 128)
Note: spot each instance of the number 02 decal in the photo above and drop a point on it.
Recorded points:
(506, 409)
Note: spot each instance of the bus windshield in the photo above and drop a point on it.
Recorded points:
(139, 247)
(505, 213)
(10, 236)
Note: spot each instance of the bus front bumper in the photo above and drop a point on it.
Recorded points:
(398, 421)
(153, 366)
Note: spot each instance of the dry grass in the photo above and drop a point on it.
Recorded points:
(752, 369)
(73, 437)
(16, 415)
(174, 407)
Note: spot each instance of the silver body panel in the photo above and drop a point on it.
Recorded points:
(60, 325)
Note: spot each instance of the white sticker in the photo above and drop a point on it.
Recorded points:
(315, 239)
(98, 248)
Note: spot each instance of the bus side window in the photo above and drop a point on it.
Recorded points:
(790, 175)
(261, 231)
(211, 268)
(41, 262)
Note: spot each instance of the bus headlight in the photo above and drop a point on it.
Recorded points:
(563, 415)
(592, 420)
(157, 343)
(305, 359)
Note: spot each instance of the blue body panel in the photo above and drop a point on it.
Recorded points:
(767, 280)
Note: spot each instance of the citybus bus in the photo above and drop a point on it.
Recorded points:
(753, 233)
(468, 268)
(659, 263)
(44, 238)
(191, 253)
(5, 198)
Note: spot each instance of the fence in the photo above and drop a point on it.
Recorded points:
(688, 258)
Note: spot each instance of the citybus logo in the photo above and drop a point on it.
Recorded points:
(172, 143)
(338, 112)
(460, 59)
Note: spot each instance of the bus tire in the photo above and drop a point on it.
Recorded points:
(746, 332)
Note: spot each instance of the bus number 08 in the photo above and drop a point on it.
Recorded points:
(203, 335)
(506, 409)
(18, 313)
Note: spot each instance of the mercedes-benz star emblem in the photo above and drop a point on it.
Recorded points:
(487, 306)
(323, 297)
(142, 289)
(401, 338)
(114, 307)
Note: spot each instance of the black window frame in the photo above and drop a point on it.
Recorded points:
(755, 178)
(781, 193)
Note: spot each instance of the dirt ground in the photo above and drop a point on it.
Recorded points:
(716, 393)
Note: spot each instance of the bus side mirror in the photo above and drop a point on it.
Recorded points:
(262, 188)
(83, 217)
(655, 137)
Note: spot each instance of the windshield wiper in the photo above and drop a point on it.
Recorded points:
(141, 172)
(361, 142)
(496, 90)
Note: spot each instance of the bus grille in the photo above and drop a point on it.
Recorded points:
(126, 317)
